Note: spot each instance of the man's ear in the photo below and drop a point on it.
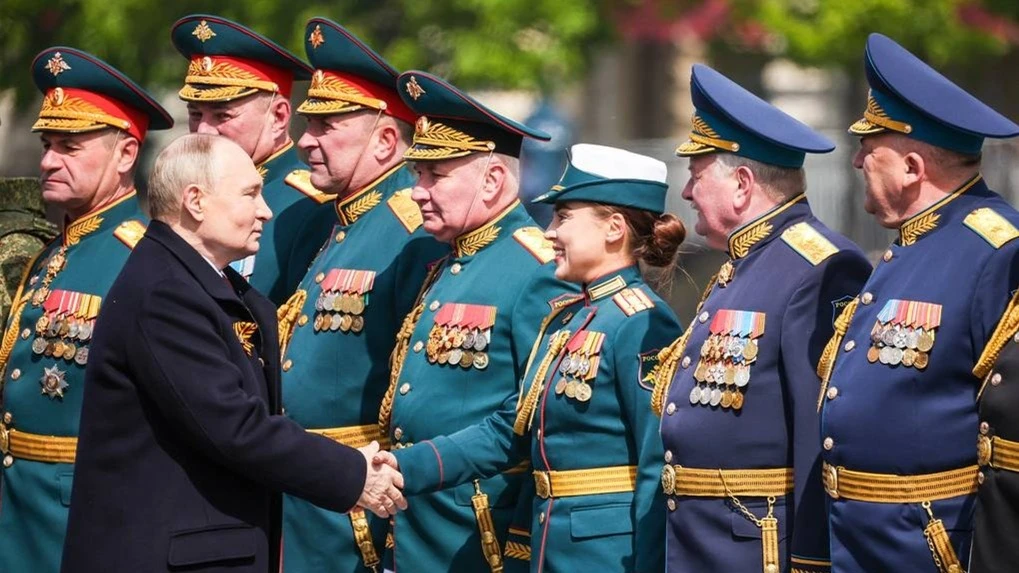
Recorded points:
(741, 195)
(193, 202)
(127, 154)
(916, 169)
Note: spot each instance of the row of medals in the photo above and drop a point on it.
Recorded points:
(894, 345)
(339, 311)
(575, 367)
(56, 337)
(455, 346)
(724, 370)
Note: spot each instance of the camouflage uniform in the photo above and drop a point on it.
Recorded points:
(24, 231)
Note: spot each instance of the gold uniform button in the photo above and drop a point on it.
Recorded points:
(995, 379)
(340, 236)
(829, 443)
(672, 504)
(434, 306)
(867, 298)
(833, 393)
(703, 317)
(671, 408)
(686, 362)
(303, 320)
(850, 345)
(398, 433)
(455, 268)
(888, 255)
(26, 333)
(15, 374)
(319, 277)
(405, 388)
(984, 428)
(418, 346)
(668, 456)
(287, 364)
(8, 461)
(980, 477)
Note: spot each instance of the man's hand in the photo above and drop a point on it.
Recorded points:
(386, 457)
(382, 484)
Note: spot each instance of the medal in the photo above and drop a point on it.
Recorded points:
(357, 324)
(925, 341)
(908, 357)
(345, 322)
(39, 345)
(583, 392)
(737, 400)
(467, 359)
(480, 360)
(725, 274)
(53, 382)
(571, 389)
(69, 351)
(695, 394)
(716, 396)
(727, 398)
(454, 356)
(334, 322)
(560, 387)
(750, 352)
(742, 376)
(894, 356)
(921, 360)
(873, 354)
(705, 396)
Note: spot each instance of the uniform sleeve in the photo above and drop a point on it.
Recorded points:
(998, 281)
(644, 334)
(517, 552)
(180, 354)
(490, 446)
(806, 328)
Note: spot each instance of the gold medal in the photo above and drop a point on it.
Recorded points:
(926, 341)
(725, 274)
(583, 392)
(50, 347)
(40, 296)
(873, 354)
(42, 324)
(921, 360)
(571, 389)
(727, 398)
(69, 351)
(737, 400)
(730, 375)
(444, 357)
(467, 359)
(345, 322)
(560, 387)
(357, 304)
(750, 352)
(909, 357)
(357, 324)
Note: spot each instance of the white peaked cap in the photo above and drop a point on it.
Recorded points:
(615, 163)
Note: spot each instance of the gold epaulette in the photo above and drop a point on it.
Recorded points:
(300, 179)
(632, 300)
(533, 239)
(991, 226)
(1006, 328)
(405, 210)
(809, 243)
(130, 232)
(826, 364)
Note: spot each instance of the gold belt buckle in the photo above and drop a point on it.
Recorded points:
(669, 479)
(984, 450)
(831, 481)
(5, 439)
(542, 484)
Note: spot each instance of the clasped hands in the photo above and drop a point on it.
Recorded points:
(382, 484)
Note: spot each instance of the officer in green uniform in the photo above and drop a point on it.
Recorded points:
(343, 319)
(585, 405)
(238, 85)
(24, 231)
(463, 348)
(93, 122)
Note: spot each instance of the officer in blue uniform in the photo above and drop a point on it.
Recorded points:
(93, 122)
(899, 417)
(584, 408)
(238, 85)
(464, 347)
(343, 320)
(737, 393)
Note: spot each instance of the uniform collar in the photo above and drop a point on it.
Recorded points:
(927, 220)
(357, 205)
(760, 230)
(104, 217)
(471, 242)
(280, 163)
(611, 283)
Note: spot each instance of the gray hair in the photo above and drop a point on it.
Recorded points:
(780, 183)
(188, 160)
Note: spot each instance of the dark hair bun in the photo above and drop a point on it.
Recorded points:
(666, 237)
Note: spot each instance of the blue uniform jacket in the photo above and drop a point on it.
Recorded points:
(951, 273)
(786, 281)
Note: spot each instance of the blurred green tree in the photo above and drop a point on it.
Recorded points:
(475, 43)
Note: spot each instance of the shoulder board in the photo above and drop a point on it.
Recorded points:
(809, 243)
(991, 226)
(130, 232)
(300, 179)
(533, 239)
(405, 210)
(632, 300)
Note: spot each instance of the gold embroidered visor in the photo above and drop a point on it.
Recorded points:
(876, 120)
(226, 78)
(437, 141)
(703, 139)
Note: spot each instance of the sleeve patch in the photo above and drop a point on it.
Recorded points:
(300, 179)
(809, 243)
(632, 300)
(647, 369)
(991, 226)
(515, 550)
(130, 232)
(405, 210)
(533, 239)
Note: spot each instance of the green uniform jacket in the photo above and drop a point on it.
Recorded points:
(42, 392)
(297, 229)
(477, 321)
(334, 377)
(585, 404)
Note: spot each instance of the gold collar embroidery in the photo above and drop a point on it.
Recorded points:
(470, 243)
(263, 167)
(744, 238)
(356, 205)
(927, 220)
(76, 230)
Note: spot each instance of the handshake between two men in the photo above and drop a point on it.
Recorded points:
(383, 483)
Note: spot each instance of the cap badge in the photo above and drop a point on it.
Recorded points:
(56, 65)
(414, 90)
(316, 38)
(203, 32)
